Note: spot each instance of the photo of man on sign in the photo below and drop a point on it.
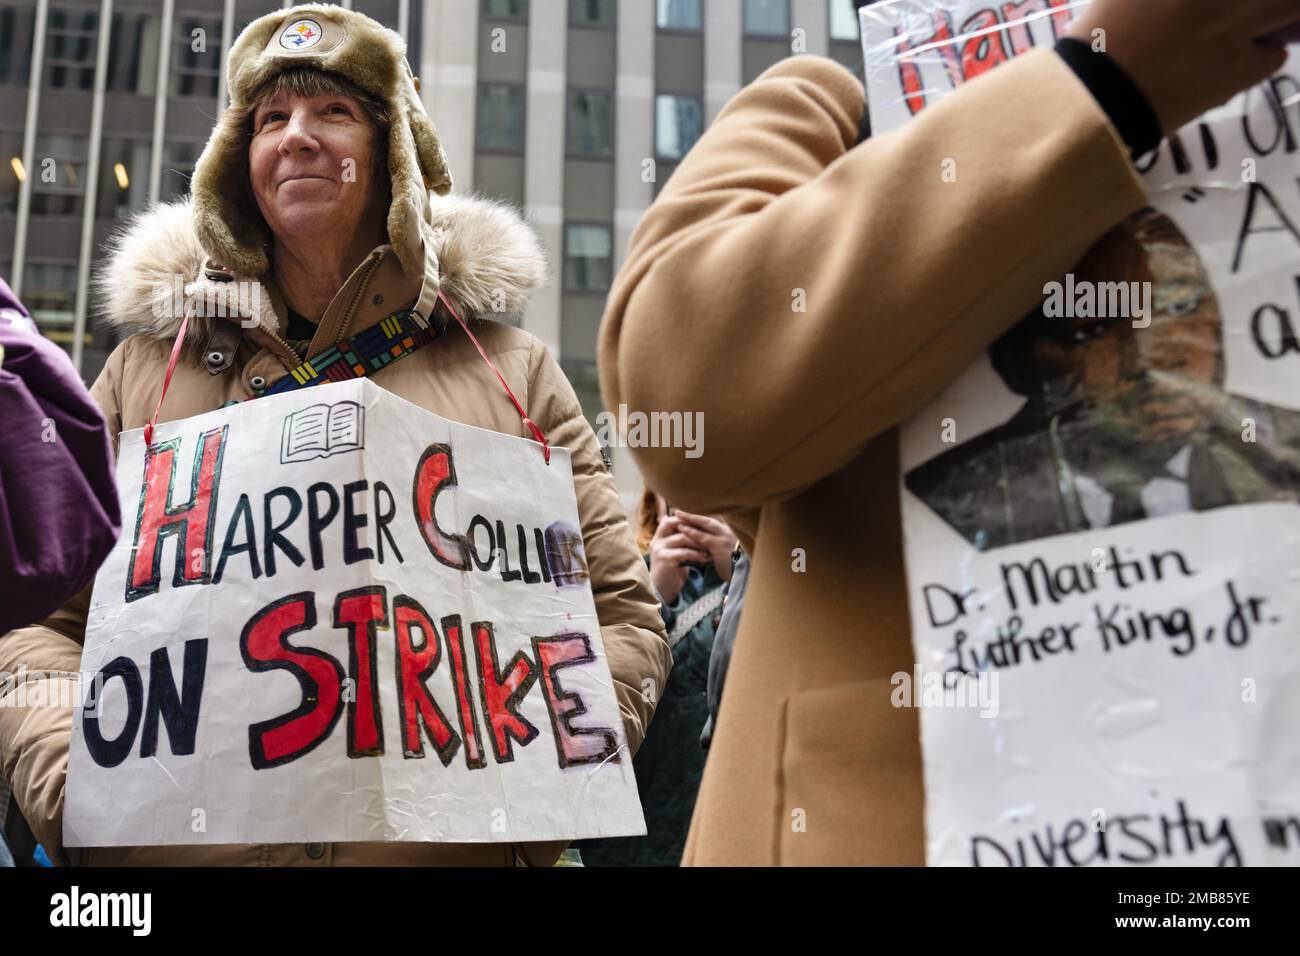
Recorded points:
(1099, 512)
(1125, 415)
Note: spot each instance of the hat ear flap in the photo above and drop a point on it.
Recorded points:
(416, 166)
(433, 161)
(226, 218)
(428, 149)
(409, 197)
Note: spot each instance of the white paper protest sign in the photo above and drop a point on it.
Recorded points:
(1100, 516)
(335, 616)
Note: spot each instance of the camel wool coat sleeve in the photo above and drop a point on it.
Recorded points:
(828, 291)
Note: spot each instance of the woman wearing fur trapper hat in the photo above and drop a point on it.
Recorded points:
(314, 196)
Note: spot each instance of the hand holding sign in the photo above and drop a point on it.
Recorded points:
(1286, 35)
(1188, 56)
(1101, 617)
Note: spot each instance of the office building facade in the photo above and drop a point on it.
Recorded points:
(577, 111)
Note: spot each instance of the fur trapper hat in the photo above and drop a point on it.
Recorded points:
(337, 41)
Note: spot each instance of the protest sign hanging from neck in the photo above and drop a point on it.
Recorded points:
(335, 597)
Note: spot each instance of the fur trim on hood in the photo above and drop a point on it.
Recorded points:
(484, 250)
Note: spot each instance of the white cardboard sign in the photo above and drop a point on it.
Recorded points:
(335, 616)
(1100, 516)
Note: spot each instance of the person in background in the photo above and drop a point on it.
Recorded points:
(725, 640)
(58, 496)
(908, 280)
(690, 558)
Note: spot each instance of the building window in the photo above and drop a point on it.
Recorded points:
(70, 49)
(123, 177)
(196, 57)
(844, 20)
(767, 18)
(589, 130)
(588, 258)
(679, 120)
(179, 157)
(500, 118)
(15, 44)
(679, 15)
(12, 172)
(585, 378)
(593, 13)
(505, 9)
(59, 176)
(50, 292)
(133, 53)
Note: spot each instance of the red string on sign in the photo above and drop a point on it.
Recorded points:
(532, 426)
(167, 379)
(180, 341)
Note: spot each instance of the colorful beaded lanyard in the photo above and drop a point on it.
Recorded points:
(359, 356)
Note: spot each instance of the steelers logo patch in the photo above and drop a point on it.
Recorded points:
(300, 35)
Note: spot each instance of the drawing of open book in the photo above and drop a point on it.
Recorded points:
(319, 431)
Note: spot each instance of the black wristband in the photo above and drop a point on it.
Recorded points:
(1116, 93)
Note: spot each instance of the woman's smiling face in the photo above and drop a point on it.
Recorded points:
(311, 164)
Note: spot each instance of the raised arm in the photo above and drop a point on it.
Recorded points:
(905, 277)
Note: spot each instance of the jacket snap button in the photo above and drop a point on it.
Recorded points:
(378, 300)
(315, 850)
(257, 382)
(215, 358)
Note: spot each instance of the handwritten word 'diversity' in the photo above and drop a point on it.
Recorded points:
(75, 909)
(1133, 838)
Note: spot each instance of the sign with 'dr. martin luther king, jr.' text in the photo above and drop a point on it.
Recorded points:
(1100, 516)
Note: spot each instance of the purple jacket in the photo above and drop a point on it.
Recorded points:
(58, 496)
